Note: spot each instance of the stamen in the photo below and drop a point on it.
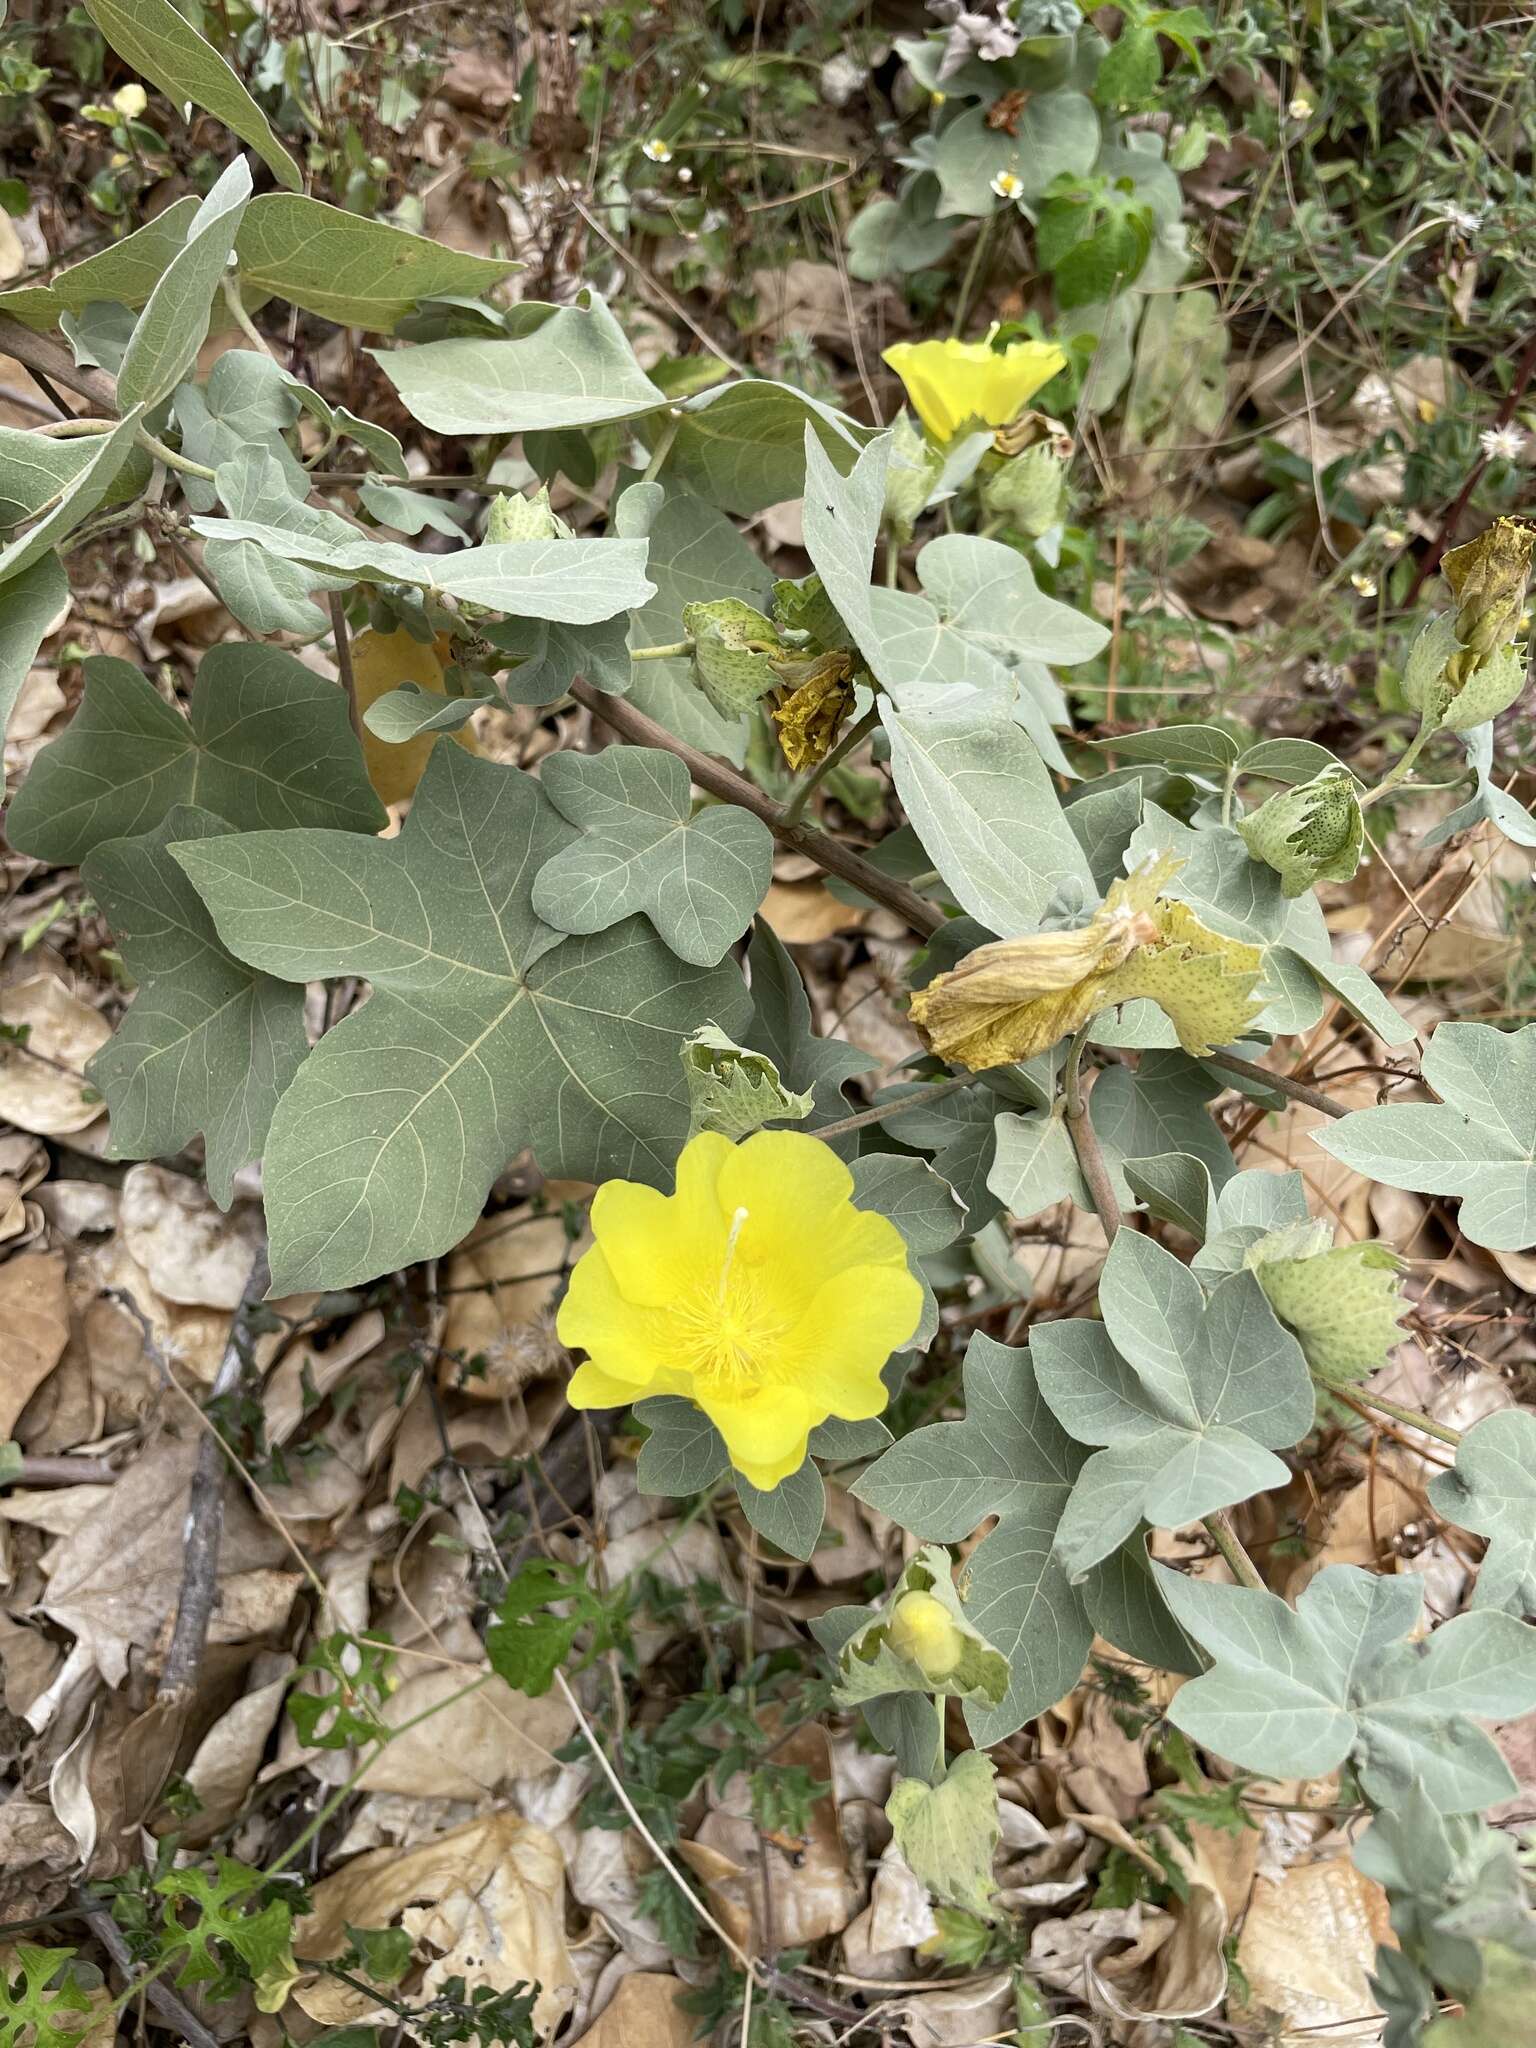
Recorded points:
(737, 1220)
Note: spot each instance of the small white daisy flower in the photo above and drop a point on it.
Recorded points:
(658, 151)
(1007, 186)
(1466, 220)
(1502, 444)
(1366, 585)
(1300, 108)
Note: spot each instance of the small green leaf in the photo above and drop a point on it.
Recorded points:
(348, 269)
(1190, 1398)
(789, 1514)
(1492, 1491)
(567, 366)
(948, 1833)
(124, 274)
(684, 1453)
(698, 877)
(75, 502)
(268, 743)
(1296, 1691)
(164, 48)
(41, 2004)
(174, 323)
(1478, 1141)
(29, 604)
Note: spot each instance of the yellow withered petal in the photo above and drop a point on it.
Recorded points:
(1016, 997)
(756, 1290)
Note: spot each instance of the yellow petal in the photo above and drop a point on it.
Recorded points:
(654, 1242)
(628, 1343)
(857, 1319)
(766, 1431)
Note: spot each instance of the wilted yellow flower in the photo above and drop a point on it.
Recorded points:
(1489, 576)
(1014, 998)
(958, 384)
(811, 716)
(757, 1291)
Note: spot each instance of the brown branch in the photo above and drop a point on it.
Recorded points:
(42, 352)
(1299, 1091)
(44, 1471)
(160, 1995)
(1085, 1140)
(205, 1516)
(343, 639)
(829, 854)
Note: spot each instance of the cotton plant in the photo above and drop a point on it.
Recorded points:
(571, 964)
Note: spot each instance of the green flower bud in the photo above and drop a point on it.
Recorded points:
(923, 1631)
(1313, 833)
(1028, 489)
(1342, 1301)
(805, 609)
(1490, 689)
(514, 517)
(733, 650)
(915, 468)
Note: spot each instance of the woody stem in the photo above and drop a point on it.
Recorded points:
(1242, 1567)
(1085, 1140)
(855, 736)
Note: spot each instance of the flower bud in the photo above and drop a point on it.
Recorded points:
(924, 1632)
(514, 517)
(1028, 489)
(733, 646)
(915, 468)
(1489, 576)
(1313, 833)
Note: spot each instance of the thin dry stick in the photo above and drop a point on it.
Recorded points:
(160, 1996)
(829, 854)
(205, 1516)
(883, 1112)
(44, 1471)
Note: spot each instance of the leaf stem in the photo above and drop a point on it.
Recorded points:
(172, 460)
(663, 447)
(242, 318)
(343, 639)
(855, 736)
(1403, 769)
(884, 1111)
(672, 650)
(1085, 1139)
(829, 854)
(1413, 1418)
(1242, 1567)
(1299, 1091)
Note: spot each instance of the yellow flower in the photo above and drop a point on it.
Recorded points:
(757, 1291)
(958, 384)
(1015, 997)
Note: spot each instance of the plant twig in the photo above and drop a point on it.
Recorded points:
(884, 1111)
(1299, 1091)
(170, 2008)
(829, 854)
(1085, 1139)
(205, 1516)
(343, 639)
(1242, 1567)
(45, 1471)
(1412, 1418)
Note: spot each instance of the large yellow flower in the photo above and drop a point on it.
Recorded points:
(959, 384)
(757, 1291)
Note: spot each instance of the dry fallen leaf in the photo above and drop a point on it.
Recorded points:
(114, 1583)
(501, 1287)
(42, 1080)
(485, 1902)
(34, 1317)
(1307, 1947)
(468, 1749)
(643, 2013)
(194, 1255)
